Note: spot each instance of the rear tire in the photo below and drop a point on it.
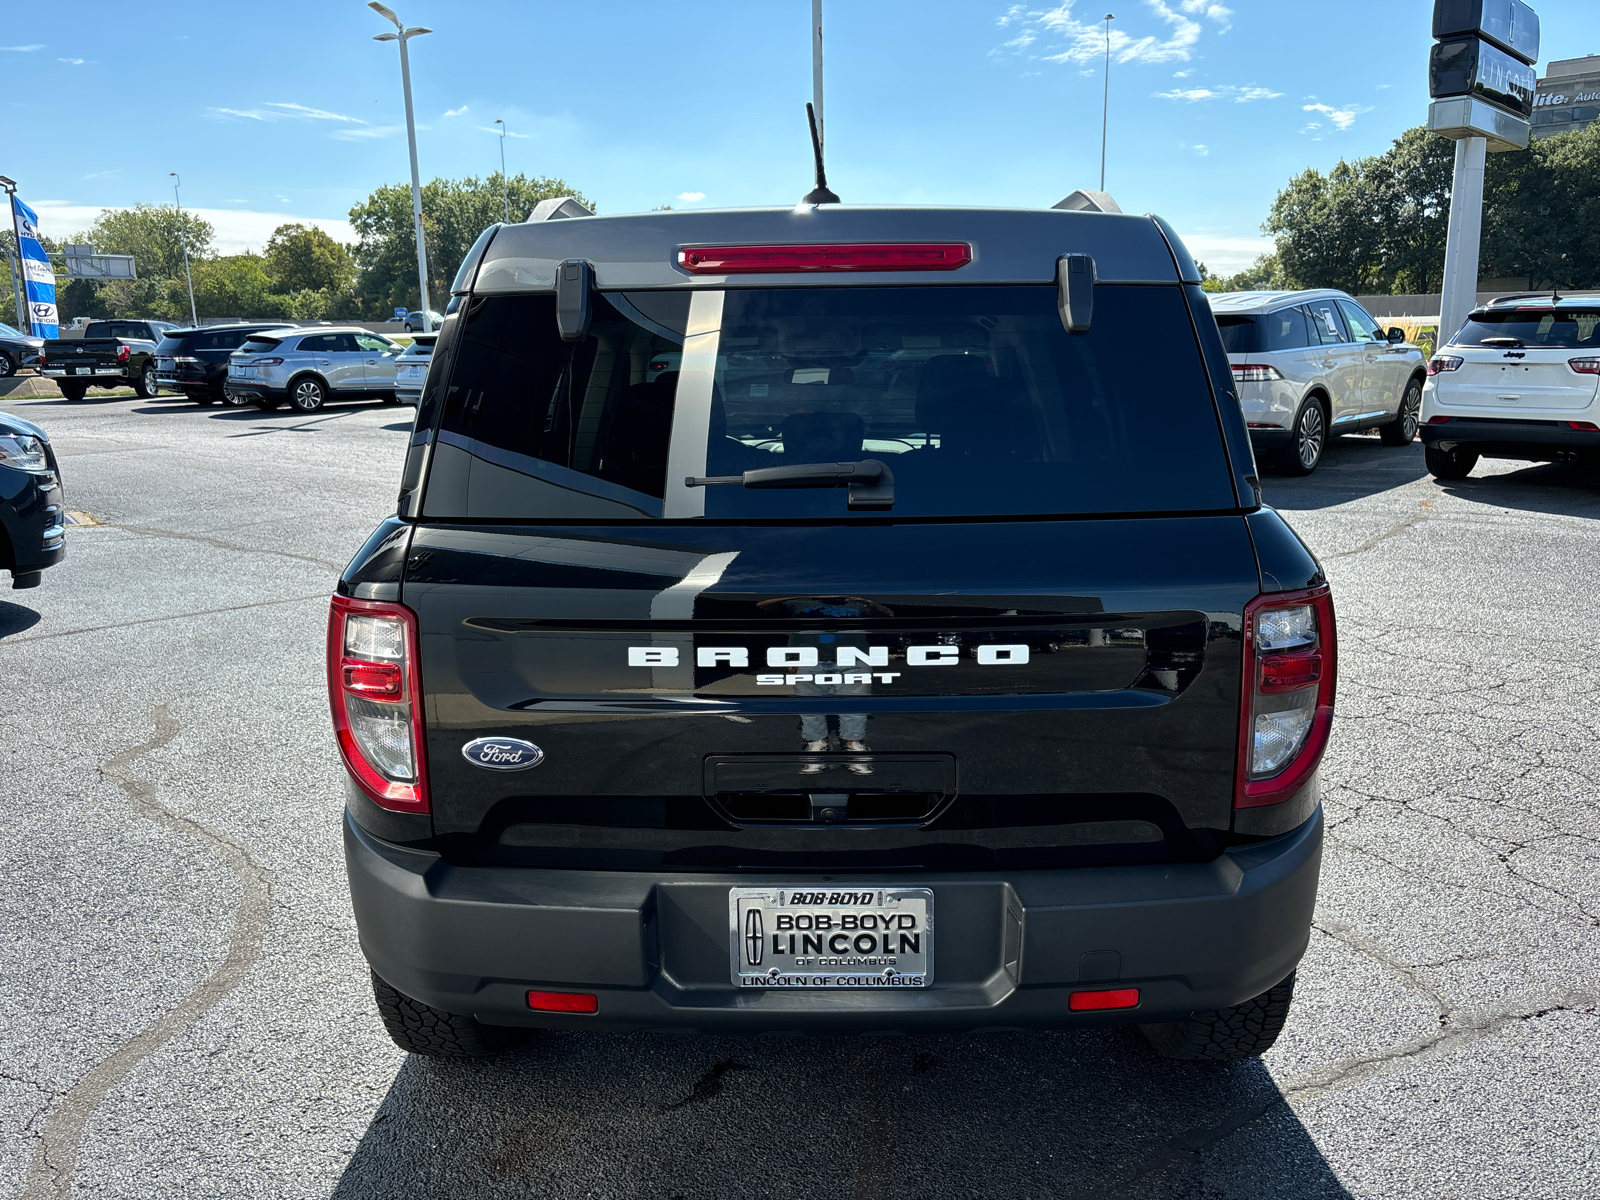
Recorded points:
(419, 1028)
(307, 394)
(1309, 439)
(1243, 1031)
(144, 384)
(8, 365)
(72, 390)
(1449, 464)
(1401, 430)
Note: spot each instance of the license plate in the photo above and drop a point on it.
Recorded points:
(856, 937)
(81, 370)
(410, 372)
(241, 372)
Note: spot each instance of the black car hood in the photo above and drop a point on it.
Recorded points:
(16, 425)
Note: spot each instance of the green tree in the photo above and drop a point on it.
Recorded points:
(299, 258)
(1542, 212)
(232, 285)
(454, 213)
(154, 236)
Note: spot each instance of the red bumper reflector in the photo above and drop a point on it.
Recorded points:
(1584, 426)
(568, 1002)
(779, 260)
(1091, 1001)
(1438, 420)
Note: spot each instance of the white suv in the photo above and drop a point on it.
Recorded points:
(1314, 364)
(1517, 381)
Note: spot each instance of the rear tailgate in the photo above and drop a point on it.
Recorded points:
(1533, 379)
(83, 354)
(1118, 731)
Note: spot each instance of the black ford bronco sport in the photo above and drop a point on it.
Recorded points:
(832, 618)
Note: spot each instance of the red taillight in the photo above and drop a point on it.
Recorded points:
(1445, 362)
(1093, 1001)
(1436, 420)
(376, 700)
(124, 353)
(1286, 709)
(1585, 366)
(567, 1002)
(779, 260)
(1584, 426)
(1255, 373)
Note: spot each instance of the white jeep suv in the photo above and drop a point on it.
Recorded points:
(1517, 381)
(1312, 365)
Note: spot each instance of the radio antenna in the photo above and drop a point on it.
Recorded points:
(819, 194)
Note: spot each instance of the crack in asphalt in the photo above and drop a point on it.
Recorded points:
(55, 1157)
(203, 612)
(1394, 531)
(219, 543)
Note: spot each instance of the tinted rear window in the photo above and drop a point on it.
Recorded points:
(976, 397)
(118, 329)
(1548, 329)
(259, 345)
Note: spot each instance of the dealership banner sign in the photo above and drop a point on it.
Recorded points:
(39, 280)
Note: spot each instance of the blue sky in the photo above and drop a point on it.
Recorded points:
(290, 110)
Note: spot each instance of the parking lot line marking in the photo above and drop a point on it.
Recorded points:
(204, 612)
(55, 1159)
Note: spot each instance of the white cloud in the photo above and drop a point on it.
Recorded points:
(509, 133)
(235, 230)
(1066, 39)
(278, 111)
(24, 49)
(77, 62)
(1183, 74)
(242, 114)
(1202, 151)
(312, 114)
(1342, 118)
(691, 197)
(1239, 95)
(369, 132)
(455, 112)
(1226, 255)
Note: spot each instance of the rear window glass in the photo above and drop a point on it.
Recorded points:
(1549, 329)
(118, 329)
(975, 397)
(1238, 334)
(173, 345)
(259, 345)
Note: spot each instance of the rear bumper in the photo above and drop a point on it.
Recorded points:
(1271, 439)
(1011, 949)
(120, 374)
(255, 388)
(1497, 438)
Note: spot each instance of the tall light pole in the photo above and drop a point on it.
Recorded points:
(404, 35)
(1105, 104)
(183, 239)
(505, 194)
(816, 64)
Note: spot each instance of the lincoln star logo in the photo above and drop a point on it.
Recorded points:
(502, 754)
(754, 936)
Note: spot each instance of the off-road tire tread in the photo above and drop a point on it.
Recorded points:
(1243, 1031)
(419, 1028)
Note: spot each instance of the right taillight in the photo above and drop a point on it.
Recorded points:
(377, 714)
(1585, 366)
(1444, 362)
(1290, 660)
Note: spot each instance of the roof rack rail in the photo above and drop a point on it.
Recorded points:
(556, 209)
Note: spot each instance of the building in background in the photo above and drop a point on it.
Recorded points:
(1568, 97)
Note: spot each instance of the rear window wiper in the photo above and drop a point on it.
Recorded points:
(870, 482)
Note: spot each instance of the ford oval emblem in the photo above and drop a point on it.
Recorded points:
(502, 754)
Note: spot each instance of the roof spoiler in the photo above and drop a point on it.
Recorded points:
(1089, 201)
(556, 209)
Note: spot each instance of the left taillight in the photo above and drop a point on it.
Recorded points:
(376, 700)
(124, 353)
(1290, 660)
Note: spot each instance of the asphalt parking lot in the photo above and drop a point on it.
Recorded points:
(184, 1012)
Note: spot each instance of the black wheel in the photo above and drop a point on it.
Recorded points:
(1403, 428)
(1309, 441)
(307, 394)
(8, 365)
(419, 1028)
(1449, 464)
(144, 383)
(71, 389)
(1243, 1031)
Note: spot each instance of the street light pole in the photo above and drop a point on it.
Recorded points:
(1105, 104)
(403, 35)
(183, 239)
(505, 194)
(816, 66)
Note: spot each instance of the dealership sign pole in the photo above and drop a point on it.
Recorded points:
(38, 277)
(1482, 81)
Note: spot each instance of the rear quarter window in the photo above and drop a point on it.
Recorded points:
(976, 398)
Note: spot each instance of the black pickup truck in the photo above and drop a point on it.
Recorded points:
(110, 354)
(909, 657)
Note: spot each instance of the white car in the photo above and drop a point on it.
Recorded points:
(411, 368)
(1517, 381)
(1312, 365)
